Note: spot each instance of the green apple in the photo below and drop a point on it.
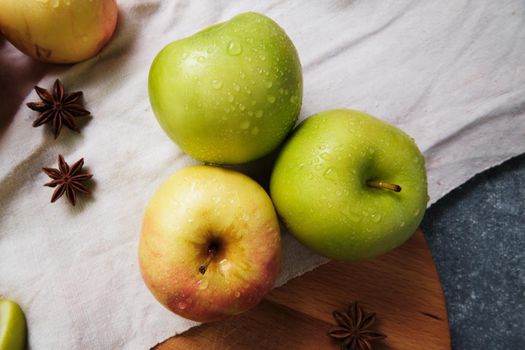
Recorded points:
(210, 243)
(349, 185)
(12, 326)
(228, 94)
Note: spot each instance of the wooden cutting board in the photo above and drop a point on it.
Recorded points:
(401, 287)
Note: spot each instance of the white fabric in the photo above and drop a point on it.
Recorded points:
(450, 73)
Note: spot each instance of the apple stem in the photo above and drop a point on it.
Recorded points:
(212, 250)
(383, 185)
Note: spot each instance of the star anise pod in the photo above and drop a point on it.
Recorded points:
(354, 328)
(68, 179)
(58, 108)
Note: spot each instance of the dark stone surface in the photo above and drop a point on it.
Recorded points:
(477, 237)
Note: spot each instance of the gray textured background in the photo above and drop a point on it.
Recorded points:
(477, 237)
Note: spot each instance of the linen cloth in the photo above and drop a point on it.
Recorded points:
(449, 73)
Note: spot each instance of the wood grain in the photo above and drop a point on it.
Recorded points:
(401, 287)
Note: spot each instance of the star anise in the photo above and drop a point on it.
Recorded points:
(354, 328)
(68, 179)
(58, 108)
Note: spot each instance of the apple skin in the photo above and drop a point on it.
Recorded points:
(58, 31)
(12, 326)
(319, 189)
(194, 207)
(231, 93)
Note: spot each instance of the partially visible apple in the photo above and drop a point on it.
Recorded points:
(350, 186)
(210, 243)
(58, 31)
(228, 94)
(12, 326)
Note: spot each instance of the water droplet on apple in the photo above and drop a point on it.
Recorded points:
(242, 75)
(229, 97)
(202, 284)
(326, 156)
(294, 99)
(350, 215)
(236, 87)
(330, 173)
(201, 59)
(237, 294)
(181, 305)
(255, 130)
(258, 114)
(225, 266)
(217, 84)
(402, 224)
(376, 217)
(269, 84)
(416, 212)
(270, 98)
(234, 48)
(245, 124)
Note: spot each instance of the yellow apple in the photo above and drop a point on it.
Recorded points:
(210, 243)
(58, 31)
(12, 326)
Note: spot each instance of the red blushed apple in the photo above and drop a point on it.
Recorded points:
(210, 243)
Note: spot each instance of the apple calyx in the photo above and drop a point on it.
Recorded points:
(383, 185)
(212, 251)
